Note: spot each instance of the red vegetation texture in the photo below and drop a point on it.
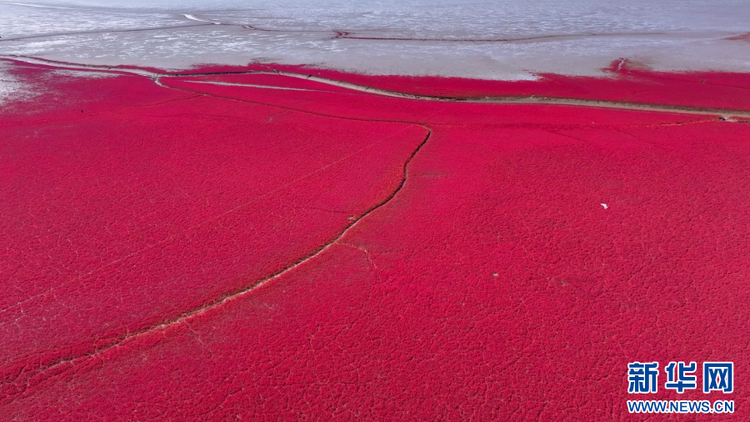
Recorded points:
(194, 251)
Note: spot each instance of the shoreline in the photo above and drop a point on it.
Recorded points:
(370, 84)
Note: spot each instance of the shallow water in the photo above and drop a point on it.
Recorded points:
(509, 39)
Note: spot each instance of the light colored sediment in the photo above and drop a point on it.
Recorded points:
(722, 114)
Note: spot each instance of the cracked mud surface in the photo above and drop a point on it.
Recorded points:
(201, 251)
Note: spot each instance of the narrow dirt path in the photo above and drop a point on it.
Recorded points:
(186, 316)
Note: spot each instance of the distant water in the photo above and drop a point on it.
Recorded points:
(506, 39)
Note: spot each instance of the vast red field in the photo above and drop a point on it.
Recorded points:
(275, 248)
